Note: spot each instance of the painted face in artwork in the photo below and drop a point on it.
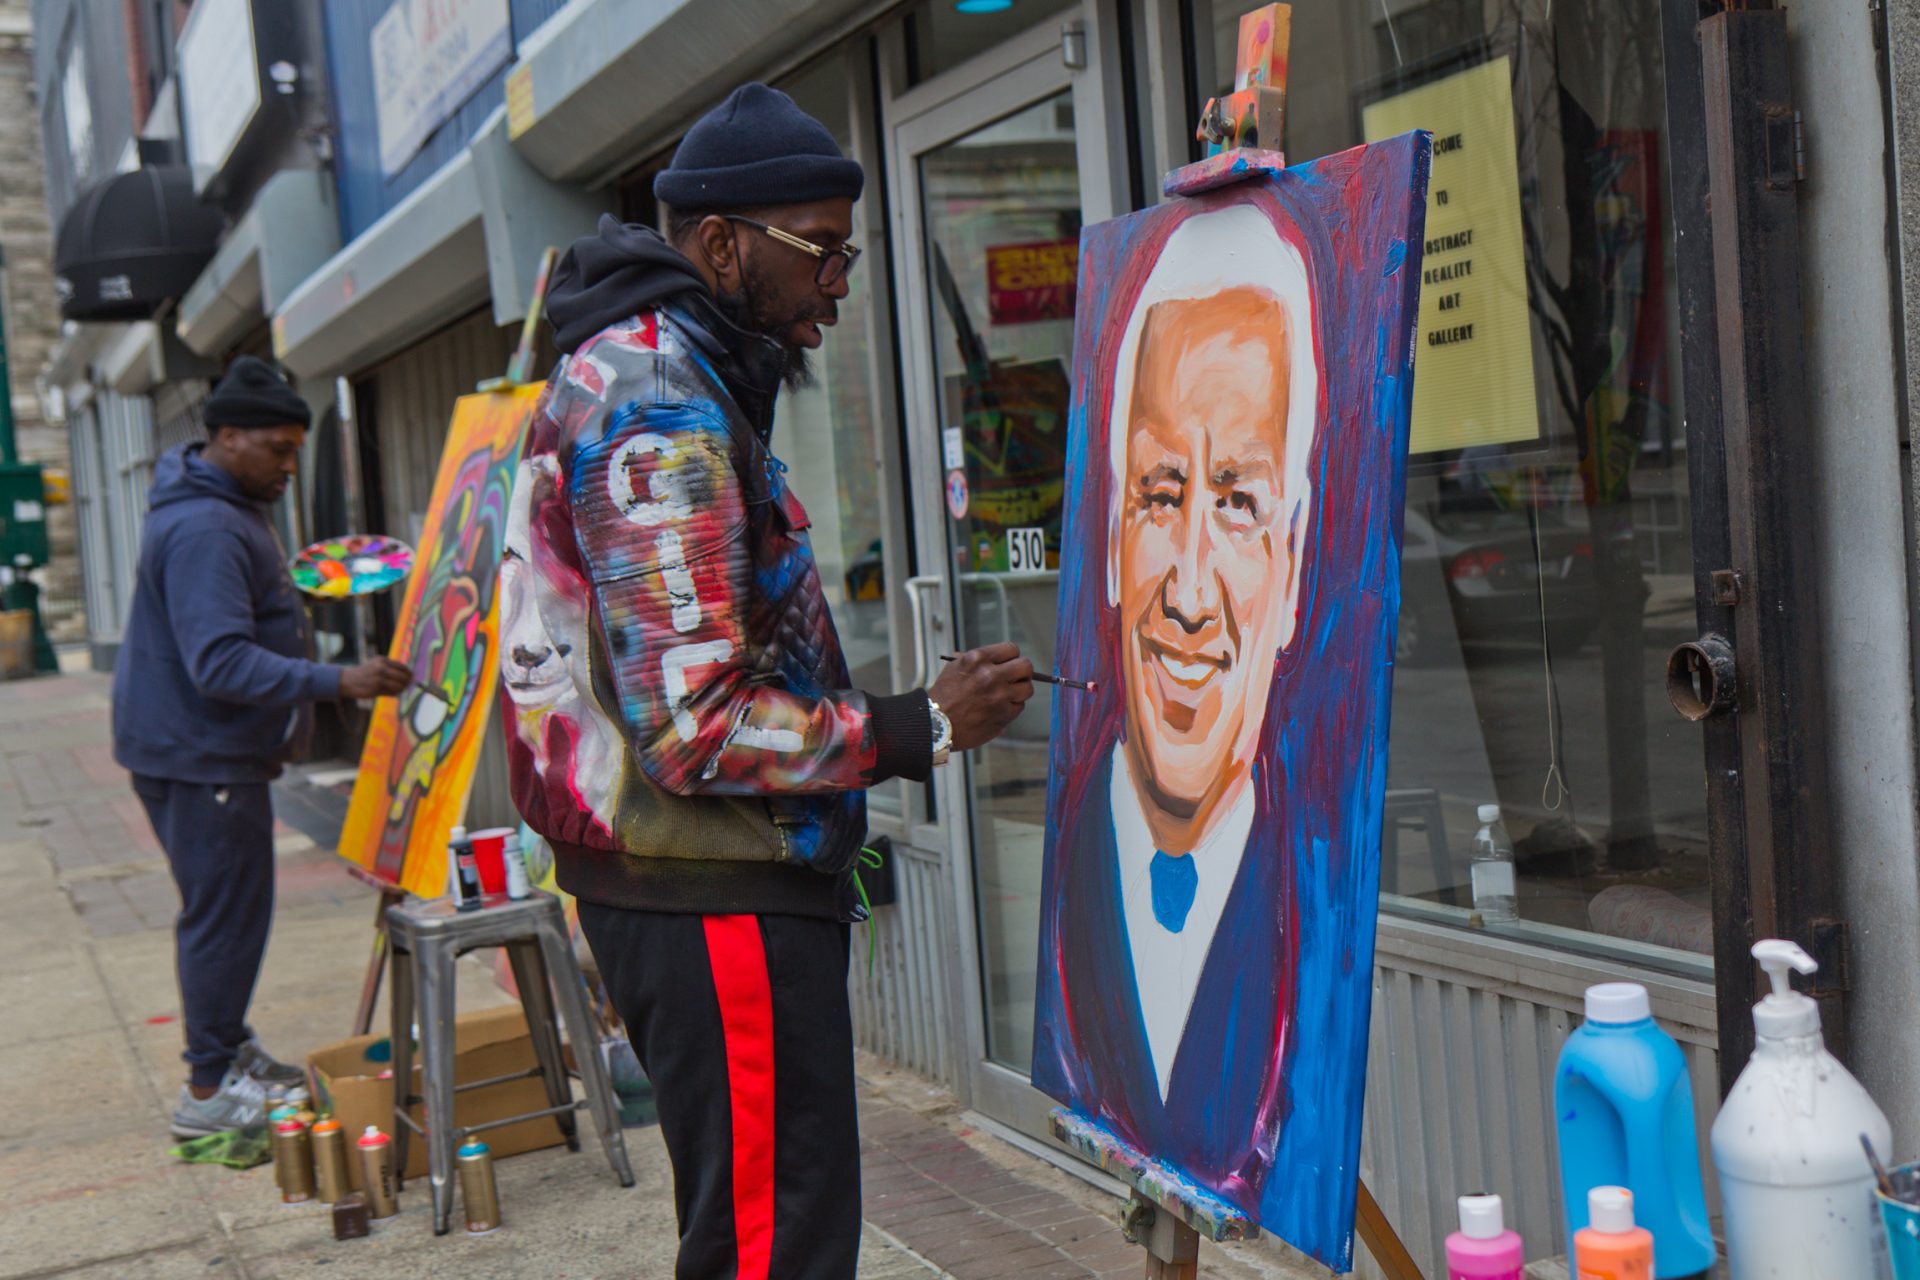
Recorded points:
(1202, 559)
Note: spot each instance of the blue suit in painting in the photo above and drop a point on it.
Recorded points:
(1219, 1115)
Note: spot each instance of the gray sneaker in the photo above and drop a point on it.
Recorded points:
(281, 1080)
(240, 1101)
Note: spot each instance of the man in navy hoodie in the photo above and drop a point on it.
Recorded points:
(211, 696)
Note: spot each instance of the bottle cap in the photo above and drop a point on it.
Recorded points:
(1610, 1209)
(373, 1137)
(290, 1125)
(457, 834)
(1489, 814)
(474, 1147)
(1785, 1013)
(1480, 1217)
(325, 1126)
(1617, 1003)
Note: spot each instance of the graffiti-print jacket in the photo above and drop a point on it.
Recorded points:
(680, 726)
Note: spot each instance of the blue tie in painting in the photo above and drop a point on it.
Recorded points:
(1174, 881)
(1230, 580)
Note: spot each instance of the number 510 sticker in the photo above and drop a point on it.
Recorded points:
(1026, 550)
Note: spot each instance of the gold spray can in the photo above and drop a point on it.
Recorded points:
(330, 1160)
(479, 1196)
(376, 1171)
(292, 1162)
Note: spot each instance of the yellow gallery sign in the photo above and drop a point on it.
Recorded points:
(1473, 360)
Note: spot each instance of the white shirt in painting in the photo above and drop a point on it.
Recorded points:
(1167, 965)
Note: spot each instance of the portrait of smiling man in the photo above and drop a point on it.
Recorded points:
(1211, 424)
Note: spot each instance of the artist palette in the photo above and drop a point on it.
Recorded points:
(358, 565)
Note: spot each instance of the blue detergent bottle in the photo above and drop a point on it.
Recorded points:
(1624, 1108)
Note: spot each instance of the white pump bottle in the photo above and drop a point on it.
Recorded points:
(1794, 1182)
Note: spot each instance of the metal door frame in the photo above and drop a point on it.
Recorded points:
(1735, 177)
(1018, 72)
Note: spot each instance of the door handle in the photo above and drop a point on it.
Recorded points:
(914, 586)
(1702, 679)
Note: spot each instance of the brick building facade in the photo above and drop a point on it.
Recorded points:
(32, 311)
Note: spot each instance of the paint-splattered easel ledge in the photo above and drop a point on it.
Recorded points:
(1185, 1199)
(1219, 171)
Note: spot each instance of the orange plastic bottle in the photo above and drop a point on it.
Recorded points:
(1612, 1248)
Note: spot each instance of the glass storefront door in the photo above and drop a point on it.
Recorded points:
(994, 174)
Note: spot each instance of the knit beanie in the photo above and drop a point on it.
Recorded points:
(757, 148)
(253, 395)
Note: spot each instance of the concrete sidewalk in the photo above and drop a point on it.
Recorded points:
(90, 1064)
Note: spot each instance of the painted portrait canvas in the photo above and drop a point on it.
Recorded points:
(1230, 581)
(418, 761)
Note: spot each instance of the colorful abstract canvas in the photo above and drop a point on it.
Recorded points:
(421, 750)
(1243, 364)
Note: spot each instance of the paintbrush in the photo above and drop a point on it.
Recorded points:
(1043, 677)
(432, 692)
(1880, 1174)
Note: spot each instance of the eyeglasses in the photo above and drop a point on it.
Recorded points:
(834, 263)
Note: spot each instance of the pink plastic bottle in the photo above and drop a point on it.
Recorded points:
(1483, 1249)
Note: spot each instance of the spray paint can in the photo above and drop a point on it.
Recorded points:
(479, 1196)
(330, 1160)
(466, 871)
(292, 1161)
(518, 886)
(350, 1220)
(376, 1172)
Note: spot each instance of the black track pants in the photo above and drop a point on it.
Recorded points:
(742, 1024)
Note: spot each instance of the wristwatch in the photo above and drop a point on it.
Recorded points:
(942, 732)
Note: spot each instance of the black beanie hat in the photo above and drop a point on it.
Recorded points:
(253, 395)
(757, 148)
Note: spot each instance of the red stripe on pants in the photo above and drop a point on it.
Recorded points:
(739, 961)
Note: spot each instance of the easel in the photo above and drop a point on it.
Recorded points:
(1167, 1214)
(519, 370)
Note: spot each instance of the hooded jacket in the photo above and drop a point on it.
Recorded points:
(680, 725)
(212, 682)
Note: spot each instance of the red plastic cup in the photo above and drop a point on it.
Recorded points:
(489, 853)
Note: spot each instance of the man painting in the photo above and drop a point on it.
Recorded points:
(1229, 581)
(211, 696)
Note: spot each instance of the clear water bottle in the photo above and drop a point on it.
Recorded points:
(1494, 893)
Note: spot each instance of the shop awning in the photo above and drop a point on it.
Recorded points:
(132, 243)
(291, 229)
(598, 84)
(420, 265)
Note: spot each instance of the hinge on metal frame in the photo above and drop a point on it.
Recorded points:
(1786, 149)
(1726, 587)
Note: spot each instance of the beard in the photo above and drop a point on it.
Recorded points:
(753, 308)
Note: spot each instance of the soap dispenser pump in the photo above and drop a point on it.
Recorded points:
(1794, 1181)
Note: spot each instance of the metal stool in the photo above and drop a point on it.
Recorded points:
(426, 938)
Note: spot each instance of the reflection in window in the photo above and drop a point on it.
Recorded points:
(1544, 578)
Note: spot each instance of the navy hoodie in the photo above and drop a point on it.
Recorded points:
(212, 683)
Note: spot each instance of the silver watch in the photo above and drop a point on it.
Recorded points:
(942, 732)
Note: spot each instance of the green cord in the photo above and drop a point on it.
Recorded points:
(868, 857)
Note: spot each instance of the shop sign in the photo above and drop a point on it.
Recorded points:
(429, 57)
(1031, 281)
(219, 83)
(1473, 361)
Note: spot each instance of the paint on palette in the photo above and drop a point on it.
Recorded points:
(358, 565)
(421, 750)
(1230, 582)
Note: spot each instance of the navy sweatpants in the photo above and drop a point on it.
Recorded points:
(743, 1027)
(219, 842)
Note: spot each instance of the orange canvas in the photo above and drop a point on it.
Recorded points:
(421, 750)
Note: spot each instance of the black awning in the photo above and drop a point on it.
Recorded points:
(133, 242)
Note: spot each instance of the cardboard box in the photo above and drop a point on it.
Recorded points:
(487, 1043)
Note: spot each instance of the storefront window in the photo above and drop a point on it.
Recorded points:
(825, 434)
(942, 34)
(1548, 560)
